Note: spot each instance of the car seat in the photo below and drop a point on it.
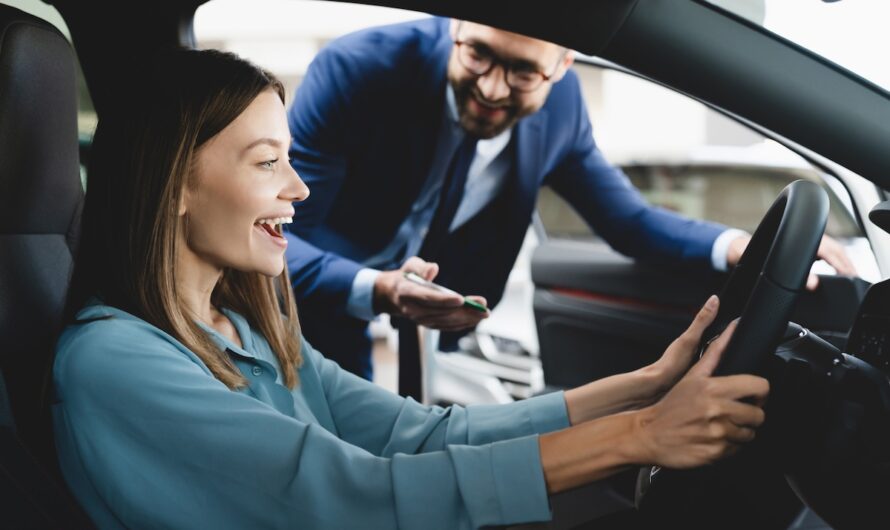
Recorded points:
(40, 200)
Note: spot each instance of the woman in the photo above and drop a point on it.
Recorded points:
(187, 398)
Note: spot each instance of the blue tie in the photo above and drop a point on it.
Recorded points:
(449, 199)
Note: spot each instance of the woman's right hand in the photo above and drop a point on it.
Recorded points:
(702, 418)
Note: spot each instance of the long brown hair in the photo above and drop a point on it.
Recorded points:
(142, 158)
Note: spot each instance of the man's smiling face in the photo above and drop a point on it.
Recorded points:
(486, 104)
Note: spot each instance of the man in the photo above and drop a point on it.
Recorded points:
(431, 139)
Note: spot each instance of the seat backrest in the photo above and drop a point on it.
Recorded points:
(40, 201)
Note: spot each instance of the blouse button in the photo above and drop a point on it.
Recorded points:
(257, 371)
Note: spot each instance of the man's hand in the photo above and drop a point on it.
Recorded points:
(428, 307)
(829, 250)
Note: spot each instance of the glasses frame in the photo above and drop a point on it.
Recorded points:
(505, 64)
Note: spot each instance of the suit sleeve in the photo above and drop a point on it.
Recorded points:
(148, 439)
(319, 121)
(603, 195)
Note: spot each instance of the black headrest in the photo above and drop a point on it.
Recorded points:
(39, 177)
(40, 200)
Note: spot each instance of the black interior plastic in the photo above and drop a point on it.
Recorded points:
(587, 294)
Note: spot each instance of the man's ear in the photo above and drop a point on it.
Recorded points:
(568, 59)
(452, 28)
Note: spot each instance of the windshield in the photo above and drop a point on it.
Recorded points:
(850, 33)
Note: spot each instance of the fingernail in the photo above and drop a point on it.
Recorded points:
(711, 303)
(812, 282)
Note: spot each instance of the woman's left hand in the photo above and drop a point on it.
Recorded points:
(643, 387)
(680, 355)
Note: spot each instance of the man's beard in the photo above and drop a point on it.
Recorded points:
(479, 126)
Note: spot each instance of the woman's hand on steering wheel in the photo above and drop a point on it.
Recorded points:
(702, 418)
(680, 355)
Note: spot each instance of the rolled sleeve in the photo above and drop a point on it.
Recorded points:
(537, 415)
(385, 424)
(548, 412)
(519, 479)
(504, 480)
(497, 484)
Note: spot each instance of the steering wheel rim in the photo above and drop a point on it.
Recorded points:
(761, 291)
(772, 272)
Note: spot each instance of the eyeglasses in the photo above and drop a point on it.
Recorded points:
(519, 75)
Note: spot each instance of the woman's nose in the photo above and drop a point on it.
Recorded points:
(296, 189)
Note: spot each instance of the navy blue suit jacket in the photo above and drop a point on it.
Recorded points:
(364, 125)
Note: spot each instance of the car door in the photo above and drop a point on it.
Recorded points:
(599, 313)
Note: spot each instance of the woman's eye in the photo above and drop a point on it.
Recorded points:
(268, 164)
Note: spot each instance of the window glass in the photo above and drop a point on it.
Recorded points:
(852, 34)
(681, 155)
(685, 157)
(283, 36)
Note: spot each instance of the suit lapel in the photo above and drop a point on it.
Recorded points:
(529, 162)
(422, 135)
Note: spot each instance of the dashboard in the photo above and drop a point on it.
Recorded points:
(870, 335)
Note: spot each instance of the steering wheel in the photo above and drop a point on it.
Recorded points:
(760, 291)
(763, 287)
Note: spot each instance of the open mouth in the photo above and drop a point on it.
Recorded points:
(273, 228)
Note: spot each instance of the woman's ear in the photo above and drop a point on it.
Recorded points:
(183, 202)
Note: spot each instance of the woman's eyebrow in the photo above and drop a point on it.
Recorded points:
(267, 141)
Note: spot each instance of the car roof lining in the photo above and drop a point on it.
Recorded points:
(689, 45)
(583, 26)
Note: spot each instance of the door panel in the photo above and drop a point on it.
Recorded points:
(599, 313)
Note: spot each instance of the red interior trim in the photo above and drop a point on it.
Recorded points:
(628, 303)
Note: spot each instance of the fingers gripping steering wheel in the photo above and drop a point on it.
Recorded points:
(760, 291)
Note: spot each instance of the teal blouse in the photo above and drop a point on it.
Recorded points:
(148, 438)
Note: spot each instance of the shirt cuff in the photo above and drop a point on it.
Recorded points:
(721, 247)
(504, 481)
(360, 303)
(548, 412)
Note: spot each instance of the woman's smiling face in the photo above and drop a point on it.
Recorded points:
(242, 191)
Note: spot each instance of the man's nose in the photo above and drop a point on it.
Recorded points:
(493, 84)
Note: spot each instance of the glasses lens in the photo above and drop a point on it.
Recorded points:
(524, 80)
(474, 59)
